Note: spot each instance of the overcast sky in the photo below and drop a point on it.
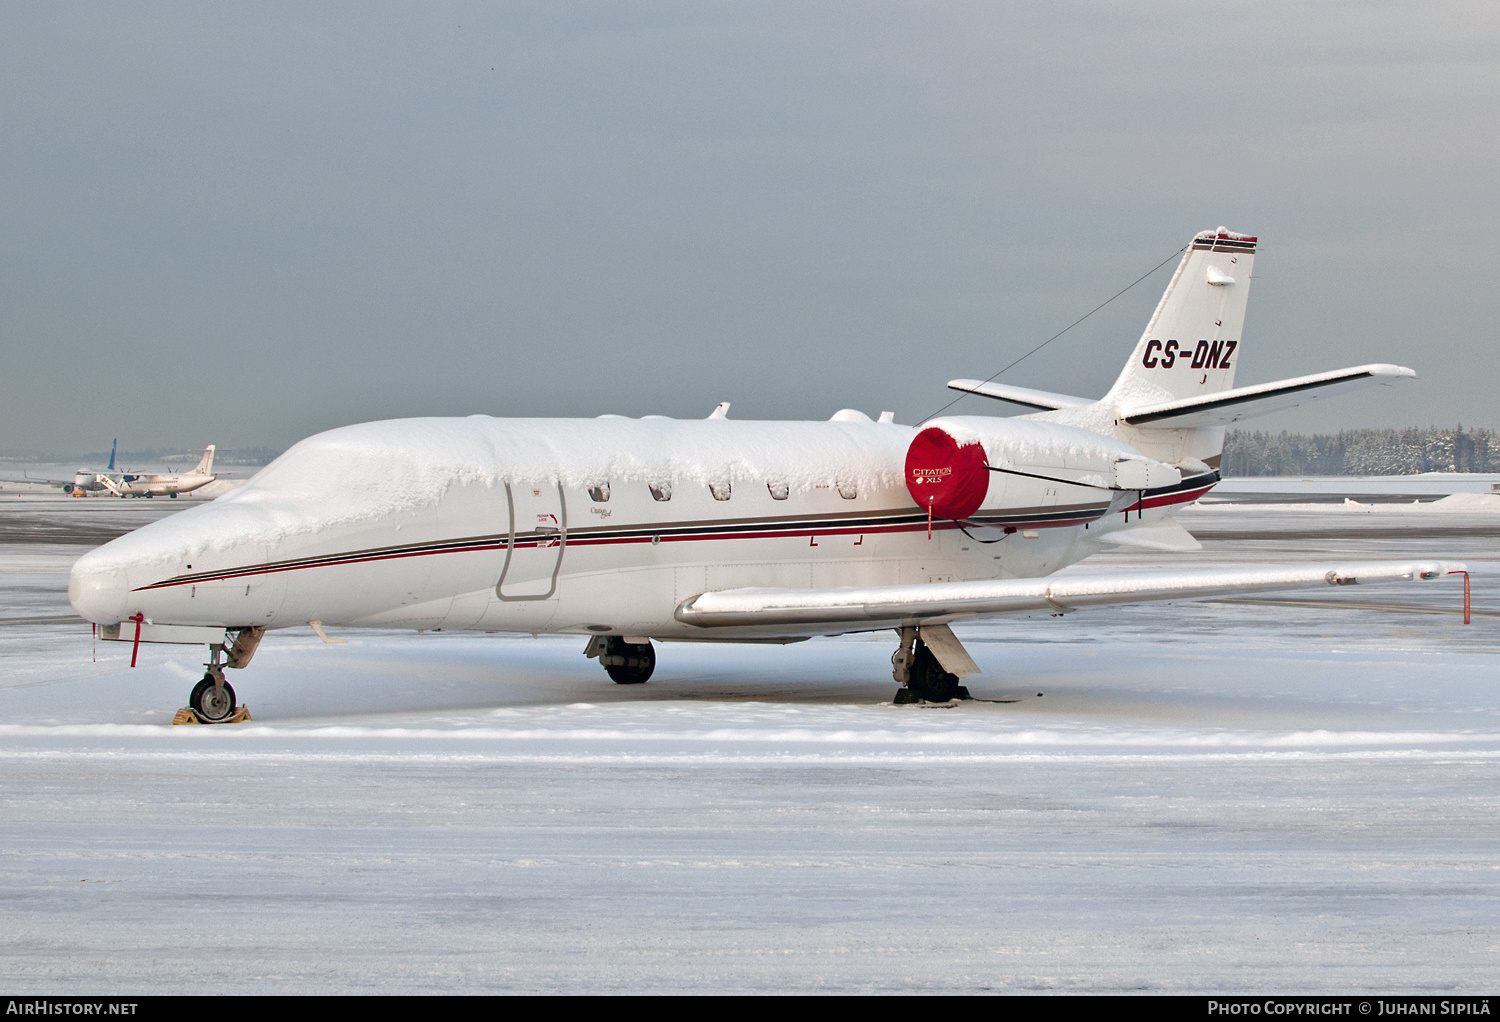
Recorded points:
(242, 224)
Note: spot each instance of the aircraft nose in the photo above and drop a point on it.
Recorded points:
(99, 591)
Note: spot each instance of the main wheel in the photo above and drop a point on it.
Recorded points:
(931, 682)
(212, 702)
(626, 662)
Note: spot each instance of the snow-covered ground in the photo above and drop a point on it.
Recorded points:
(1253, 795)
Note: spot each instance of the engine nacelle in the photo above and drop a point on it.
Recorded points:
(950, 463)
(946, 476)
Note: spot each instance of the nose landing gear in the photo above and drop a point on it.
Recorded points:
(212, 699)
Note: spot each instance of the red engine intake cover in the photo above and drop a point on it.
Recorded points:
(949, 478)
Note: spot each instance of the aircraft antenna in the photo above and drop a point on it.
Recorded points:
(1064, 330)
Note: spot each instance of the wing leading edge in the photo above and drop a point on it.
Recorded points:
(946, 601)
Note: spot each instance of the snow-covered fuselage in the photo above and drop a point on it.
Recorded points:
(603, 526)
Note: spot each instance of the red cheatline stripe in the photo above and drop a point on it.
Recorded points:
(334, 561)
(792, 531)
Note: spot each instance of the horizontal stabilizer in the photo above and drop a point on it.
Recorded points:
(1230, 406)
(1039, 399)
(879, 606)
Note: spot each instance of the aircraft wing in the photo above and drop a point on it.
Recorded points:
(36, 479)
(1229, 406)
(946, 601)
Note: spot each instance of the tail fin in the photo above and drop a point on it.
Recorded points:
(1190, 348)
(1175, 396)
(1191, 345)
(206, 465)
(113, 444)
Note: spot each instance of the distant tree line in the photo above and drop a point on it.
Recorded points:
(1361, 452)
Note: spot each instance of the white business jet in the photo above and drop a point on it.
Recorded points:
(141, 484)
(628, 530)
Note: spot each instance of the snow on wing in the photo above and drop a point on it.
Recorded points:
(1230, 406)
(949, 600)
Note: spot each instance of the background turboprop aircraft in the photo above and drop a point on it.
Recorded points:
(153, 485)
(624, 531)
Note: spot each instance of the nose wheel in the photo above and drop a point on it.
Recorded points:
(213, 697)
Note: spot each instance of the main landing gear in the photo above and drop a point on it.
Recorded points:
(922, 678)
(212, 698)
(627, 662)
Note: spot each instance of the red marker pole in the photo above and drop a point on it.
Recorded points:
(1465, 574)
(136, 646)
(929, 517)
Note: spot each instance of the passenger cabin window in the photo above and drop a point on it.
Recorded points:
(848, 490)
(660, 491)
(779, 491)
(599, 494)
(719, 490)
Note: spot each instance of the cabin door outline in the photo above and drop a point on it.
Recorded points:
(545, 522)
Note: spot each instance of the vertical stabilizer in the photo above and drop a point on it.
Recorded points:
(112, 445)
(206, 465)
(1191, 345)
(1190, 348)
